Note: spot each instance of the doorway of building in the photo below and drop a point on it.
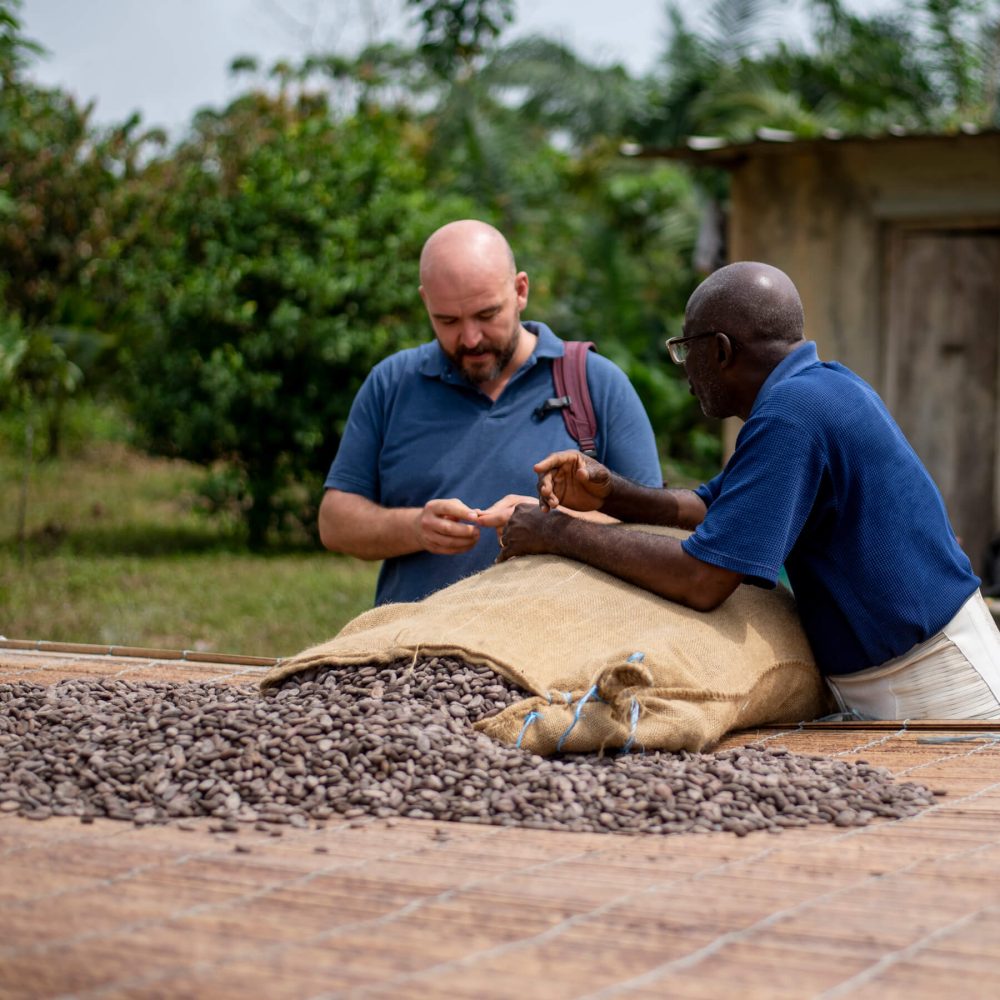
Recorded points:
(942, 347)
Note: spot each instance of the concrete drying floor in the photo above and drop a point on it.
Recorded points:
(406, 908)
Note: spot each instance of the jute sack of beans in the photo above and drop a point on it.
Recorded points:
(610, 665)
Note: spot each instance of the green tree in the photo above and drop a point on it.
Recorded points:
(456, 32)
(926, 64)
(34, 370)
(276, 264)
(59, 180)
(714, 79)
(16, 51)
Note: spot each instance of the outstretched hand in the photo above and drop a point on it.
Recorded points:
(498, 514)
(573, 480)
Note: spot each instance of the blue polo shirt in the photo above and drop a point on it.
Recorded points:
(418, 430)
(823, 481)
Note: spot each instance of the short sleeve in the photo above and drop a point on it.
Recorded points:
(707, 492)
(764, 497)
(355, 468)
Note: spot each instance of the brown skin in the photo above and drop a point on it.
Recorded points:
(654, 562)
(474, 297)
(755, 313)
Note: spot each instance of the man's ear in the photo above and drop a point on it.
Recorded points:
(521, 290)
(725, 348)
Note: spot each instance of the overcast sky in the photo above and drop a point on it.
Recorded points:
(166, 58)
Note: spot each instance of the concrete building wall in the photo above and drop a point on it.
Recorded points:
(824, 213)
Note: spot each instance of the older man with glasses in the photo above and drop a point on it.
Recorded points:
(822, 482)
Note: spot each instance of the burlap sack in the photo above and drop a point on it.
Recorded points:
(612, 666)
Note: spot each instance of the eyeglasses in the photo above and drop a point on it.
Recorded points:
(678, 346)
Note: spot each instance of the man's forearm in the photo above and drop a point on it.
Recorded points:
(656, 563)
(637, 504)
(355, 526)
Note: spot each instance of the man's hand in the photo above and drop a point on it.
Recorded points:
(441, 527)
(497, 515)
(529, 531)
(573, 480)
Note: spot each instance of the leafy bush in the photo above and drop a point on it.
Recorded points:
(276, 264)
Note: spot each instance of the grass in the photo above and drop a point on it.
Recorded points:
(118, 552)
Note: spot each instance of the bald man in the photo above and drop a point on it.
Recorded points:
(442, 431)
(822, 482)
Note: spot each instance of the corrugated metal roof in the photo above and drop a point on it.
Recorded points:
(768, 141)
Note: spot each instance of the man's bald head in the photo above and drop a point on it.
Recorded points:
(474, 297)
(465, 247)
(755, 314)
(755, 303)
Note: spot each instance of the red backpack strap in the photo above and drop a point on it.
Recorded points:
(569, 373)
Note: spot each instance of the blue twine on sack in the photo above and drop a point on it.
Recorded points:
(634, 719)
(636, 657)
(528, 720)
(576, 715)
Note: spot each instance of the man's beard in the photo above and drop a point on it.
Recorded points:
(710, 396)
(478, 374)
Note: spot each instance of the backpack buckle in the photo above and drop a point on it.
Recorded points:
(555, 403)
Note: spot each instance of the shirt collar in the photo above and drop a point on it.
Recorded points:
(435, 362)
(549, 345)
(801, 358)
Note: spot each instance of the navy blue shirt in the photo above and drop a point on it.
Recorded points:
(419, 430)
(823, 481)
